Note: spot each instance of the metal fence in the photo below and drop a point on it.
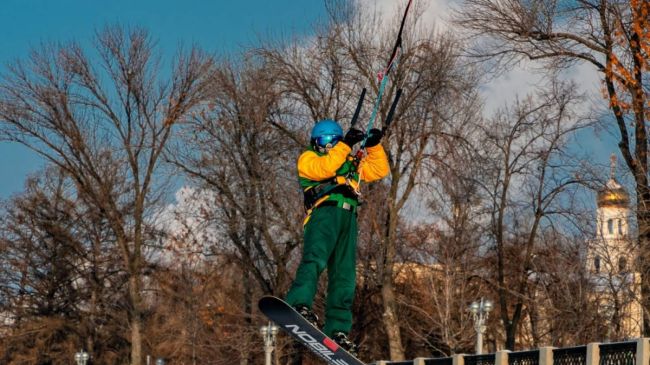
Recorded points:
(570, 356)
(439, 361)
(524, 358)
(620, 353)
(487, 359)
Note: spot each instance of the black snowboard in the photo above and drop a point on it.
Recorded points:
(297, 326)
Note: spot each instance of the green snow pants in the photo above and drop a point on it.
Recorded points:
(330, 240)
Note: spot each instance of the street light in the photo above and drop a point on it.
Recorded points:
(81, 357)
(480, 311)
(268, 333)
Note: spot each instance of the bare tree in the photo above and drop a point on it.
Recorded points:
(57, 269)
(454, 241)
(610, 35)
(242, 162)
(245, 165)
(526, 171)
(39, 295)
(197, 313)
(559, 310)
(105, 124)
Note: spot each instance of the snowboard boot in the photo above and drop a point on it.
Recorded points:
(307, 313)
(342, 339)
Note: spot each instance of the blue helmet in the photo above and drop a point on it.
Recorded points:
(325, 134)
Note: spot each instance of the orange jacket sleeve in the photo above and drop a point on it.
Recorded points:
(375, 165)
(317, 168)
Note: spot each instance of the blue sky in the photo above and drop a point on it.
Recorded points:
(221, 27)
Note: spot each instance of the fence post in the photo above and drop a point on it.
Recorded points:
(419, 361)
(546, 355)
(458, 359)
(593, 353)
(501, 357)
(642, 351)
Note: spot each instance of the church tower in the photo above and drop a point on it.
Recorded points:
(611, 259)
(613, 227)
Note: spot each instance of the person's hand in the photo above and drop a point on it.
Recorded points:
(374, 137)
(353, 137)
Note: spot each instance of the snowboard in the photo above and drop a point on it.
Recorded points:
(283, 315)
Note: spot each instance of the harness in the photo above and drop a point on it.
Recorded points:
(314, 194)
(341, 190)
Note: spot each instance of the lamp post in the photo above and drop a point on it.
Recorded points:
(480, 311)
(268, 333)
(81, 357)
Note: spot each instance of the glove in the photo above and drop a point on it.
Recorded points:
(353, 137)
(374, 137)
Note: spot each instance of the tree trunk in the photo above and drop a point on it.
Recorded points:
(248, 310)
(136, 321)
(391, 321)
(136, 340)
(510, 336)
(90, 330)
(643, 219)
(390, 318)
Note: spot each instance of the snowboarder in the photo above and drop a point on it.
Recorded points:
(330, 178)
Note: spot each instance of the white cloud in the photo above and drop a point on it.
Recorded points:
(184, 223)
(500, 91)
(527, 77)
(434, 12)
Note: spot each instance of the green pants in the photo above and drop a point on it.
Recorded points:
(330, 241)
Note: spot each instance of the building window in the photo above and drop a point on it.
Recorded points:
(610, 226)
(597, 264)
(620, 226)
(622, 264)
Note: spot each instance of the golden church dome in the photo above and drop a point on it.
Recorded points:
(613, 195)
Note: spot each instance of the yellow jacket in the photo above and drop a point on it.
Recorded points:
(373, 166)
